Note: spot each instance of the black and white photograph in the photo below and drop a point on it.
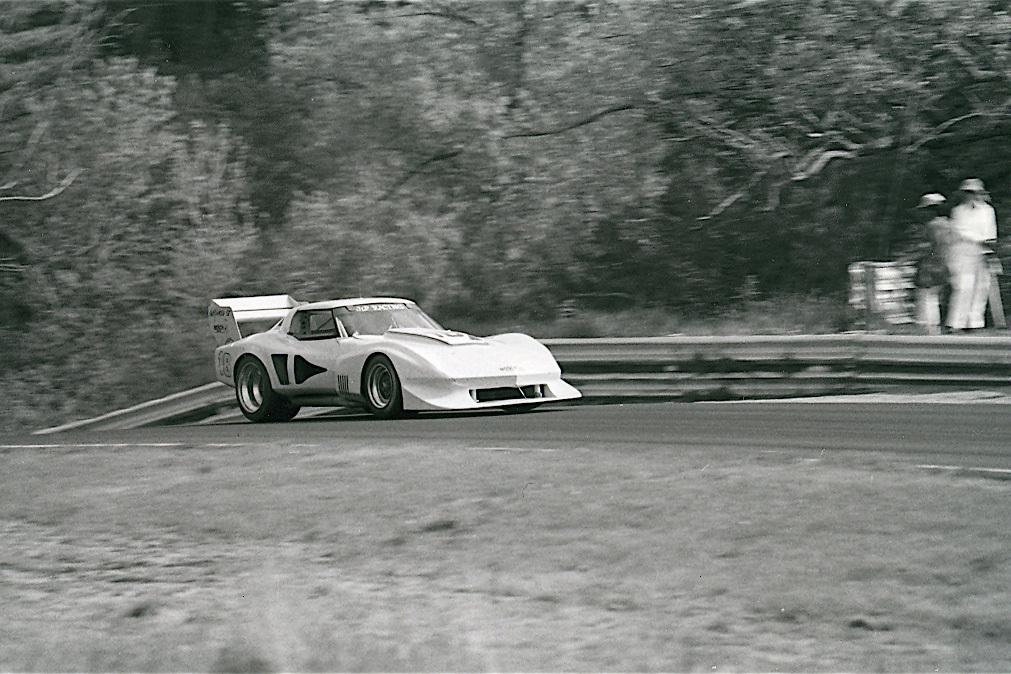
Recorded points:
(505, 336)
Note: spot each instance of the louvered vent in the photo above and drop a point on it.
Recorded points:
(343, 383)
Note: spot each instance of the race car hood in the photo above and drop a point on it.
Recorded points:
(450, 337)
(459, 355)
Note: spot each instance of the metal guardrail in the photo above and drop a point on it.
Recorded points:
(694, 368)
(697, 368)
(194, 404)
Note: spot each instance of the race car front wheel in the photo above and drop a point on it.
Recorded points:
(383, 395)
(255, 395)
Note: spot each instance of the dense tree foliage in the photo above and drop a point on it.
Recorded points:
(119, 219)
(482, 157)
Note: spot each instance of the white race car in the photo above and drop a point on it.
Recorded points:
(380, 353)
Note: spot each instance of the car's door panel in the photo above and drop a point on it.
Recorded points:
(312, 354)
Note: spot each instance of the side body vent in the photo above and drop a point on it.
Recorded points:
(305, 370)
(280, 362)
(343, 383)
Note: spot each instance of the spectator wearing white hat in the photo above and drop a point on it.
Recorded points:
(930, 254)
(973, 229)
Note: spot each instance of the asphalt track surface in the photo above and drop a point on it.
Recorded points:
(968, 436)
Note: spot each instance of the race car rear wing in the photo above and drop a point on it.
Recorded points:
(253, 314)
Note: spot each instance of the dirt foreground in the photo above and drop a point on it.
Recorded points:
(409, 557)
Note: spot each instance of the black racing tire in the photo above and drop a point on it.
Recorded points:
(384, 398)
(256, 397)
(285, 411)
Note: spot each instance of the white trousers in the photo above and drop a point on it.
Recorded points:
(970, 287)
(928, 309)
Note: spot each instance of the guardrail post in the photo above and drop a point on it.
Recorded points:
(870, 295)
(996, 303)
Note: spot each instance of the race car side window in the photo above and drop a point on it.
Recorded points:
(314, 324)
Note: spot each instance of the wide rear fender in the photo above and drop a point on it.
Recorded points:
(228, 356)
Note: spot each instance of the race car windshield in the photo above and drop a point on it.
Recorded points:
(375, 319)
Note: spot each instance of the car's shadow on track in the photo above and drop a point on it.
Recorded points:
(349, 416)
(355, 415)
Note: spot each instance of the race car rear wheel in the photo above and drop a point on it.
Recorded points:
(381, 388)
(255, 395)
(284, 411)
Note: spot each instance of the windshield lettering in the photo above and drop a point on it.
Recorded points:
(377, 307)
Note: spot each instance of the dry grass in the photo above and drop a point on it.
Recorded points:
(465, 558)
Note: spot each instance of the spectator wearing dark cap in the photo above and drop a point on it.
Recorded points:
(973, 230)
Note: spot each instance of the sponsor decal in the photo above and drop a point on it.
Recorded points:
(219, 311)
(375, 307)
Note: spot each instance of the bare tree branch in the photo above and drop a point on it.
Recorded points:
(772, 196)
(574, 125)
(968, 61)
(441, 13)
(442, 156)
(33, 139)
(729, 137)
(820, 162)
(735, 197)
(939, 130)
(764, 150)
(814, 163)
(840, 138)
(56, 191)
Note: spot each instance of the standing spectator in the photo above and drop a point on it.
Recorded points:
(973, 228)
(930, 253)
